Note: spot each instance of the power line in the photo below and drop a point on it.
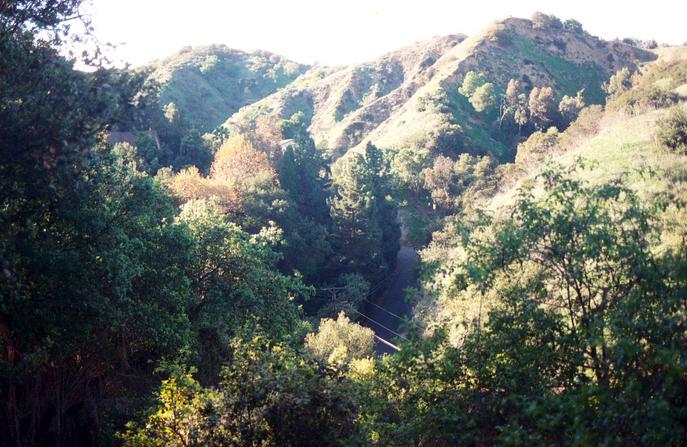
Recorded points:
(377, 286)
(380, 324)
(387, 311)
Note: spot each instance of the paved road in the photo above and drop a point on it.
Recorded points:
(393, 300)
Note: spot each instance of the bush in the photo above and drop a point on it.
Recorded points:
(538, 146)
(652, 89)
(587, 124)
(338, 342)
(672, 130)
(541, 20)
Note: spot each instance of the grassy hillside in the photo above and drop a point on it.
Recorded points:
(207, 84)
(410, 98)
(600, 147)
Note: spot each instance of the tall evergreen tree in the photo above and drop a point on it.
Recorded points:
(365, 217)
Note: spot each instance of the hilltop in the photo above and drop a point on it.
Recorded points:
(207, 84)
(409, 98)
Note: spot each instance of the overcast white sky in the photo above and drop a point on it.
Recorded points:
(346, 31)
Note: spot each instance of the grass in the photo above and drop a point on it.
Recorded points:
(569, 76)
(478, 138)
(625, 147)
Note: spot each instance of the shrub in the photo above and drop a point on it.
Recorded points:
(339, 341)
(652, 89)
(587, 124)
(541, 20)
(672, 130)
(641, 99)
(573, 26)
(538, 146)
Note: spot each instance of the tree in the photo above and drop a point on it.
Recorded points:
(193, 151)
(471, 82)
(268, 395)
(237, 160)
(573, 26)
(579, 336)
(302, 172)
(448, 181)
(82, 235)
(620, 82)
(265, 134)
(520, 116)
(303, 177)
(235, 283)
(484, 98)
(405, 166)
(513, 107)
(479, 92)
(538, 147)
(542, 107)
(570, 107)
(365, 218)
(439, 181)
(89, 313)
(338, 342)
(22, 15)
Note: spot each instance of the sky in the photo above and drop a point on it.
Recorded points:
(350, 31)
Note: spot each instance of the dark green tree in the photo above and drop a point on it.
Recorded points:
(193, 151)
(367, 231)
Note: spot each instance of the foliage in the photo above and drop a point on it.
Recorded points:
(367, 233)
(405, 165)
(479, 92)
(301, 171)
(514, 107)
(484, 98)
(582, 342)
(448, 181)
(268, 395)
(338, 342)
(651, 89)
(570, 310)
(620, 82)
(22, 15)
(672, 130)
(349, 295)
(235, 283)
(570, 107)
(237, 160)
(542, 107)
(101, 277)
(538, 147)
(541, 20)
(471, 82)
(242, 179)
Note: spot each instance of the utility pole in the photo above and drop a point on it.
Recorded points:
(334, 291)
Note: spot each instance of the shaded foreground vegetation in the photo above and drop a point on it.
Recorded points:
(197, 290)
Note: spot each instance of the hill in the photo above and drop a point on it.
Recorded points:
(617, 144)
(409, 98)
(207, 84)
